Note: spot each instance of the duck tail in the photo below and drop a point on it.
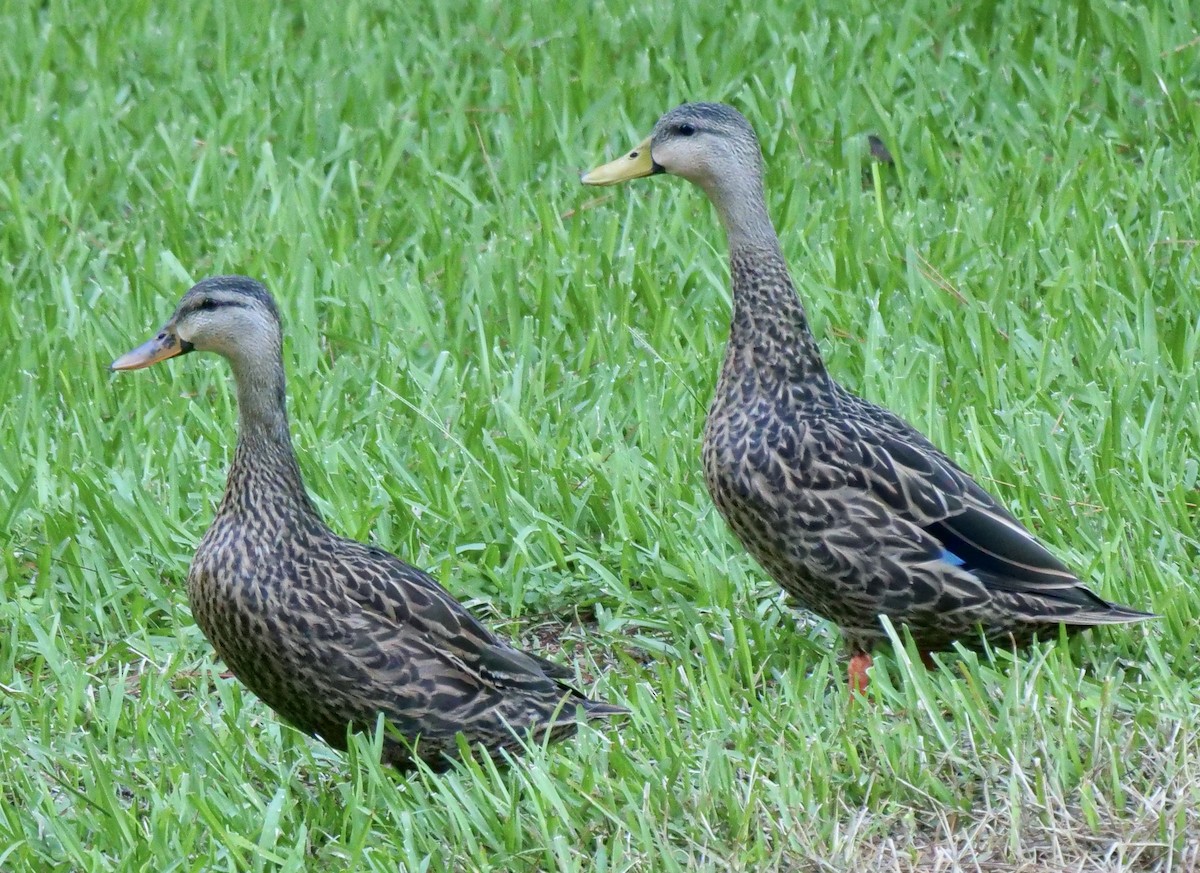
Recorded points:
(1114, 614)
(600, 709)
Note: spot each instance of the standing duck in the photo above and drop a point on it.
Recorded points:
(848, 507)
(330, 632)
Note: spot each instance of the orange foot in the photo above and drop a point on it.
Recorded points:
(860, 663)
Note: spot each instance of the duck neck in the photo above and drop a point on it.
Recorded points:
(264, 472)
(769, 332)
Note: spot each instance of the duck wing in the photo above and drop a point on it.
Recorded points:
(380, 582)
(900, 469)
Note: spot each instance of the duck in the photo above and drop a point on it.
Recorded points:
(854, 512)
(329, 632)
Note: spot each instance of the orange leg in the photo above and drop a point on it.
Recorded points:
(860, 663)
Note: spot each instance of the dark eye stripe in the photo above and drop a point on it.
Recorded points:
(208, 304)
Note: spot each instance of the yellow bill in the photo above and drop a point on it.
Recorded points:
(166, 345)
(635, 165)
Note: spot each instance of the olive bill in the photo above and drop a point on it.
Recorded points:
(634, 165)
(166, 344)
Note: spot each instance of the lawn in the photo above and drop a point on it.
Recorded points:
(502, 376)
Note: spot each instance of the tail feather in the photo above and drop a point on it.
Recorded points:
(1115, 614)
(600, 709)
(1074, 605)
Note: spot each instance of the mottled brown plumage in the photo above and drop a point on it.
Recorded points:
(848, 507)
(327, 631)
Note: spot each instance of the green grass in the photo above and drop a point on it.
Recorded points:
(502, 376)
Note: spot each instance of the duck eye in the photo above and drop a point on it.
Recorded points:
(686, 130)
